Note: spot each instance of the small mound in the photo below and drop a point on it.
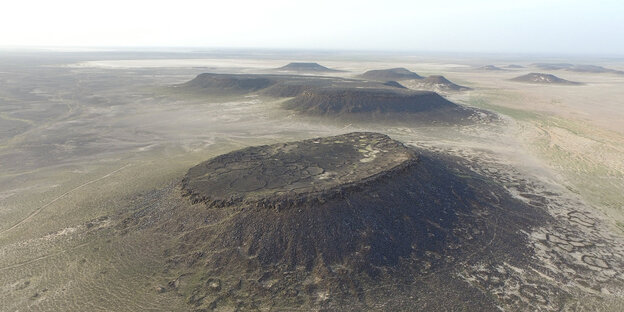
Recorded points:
(227, 83)
(306, 67)
(395, 84)
(390, 74)
(439, 83)
(515, 66)
(540, 78)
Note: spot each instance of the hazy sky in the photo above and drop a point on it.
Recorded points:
(521, 26)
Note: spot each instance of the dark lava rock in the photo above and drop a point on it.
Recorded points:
(351, 222)
(390, 74)
(439, 83)
(367, 100)
(306, 67)
(285, 175)
(294, 86)
(395, 84)
(540, 78)
(265, 84)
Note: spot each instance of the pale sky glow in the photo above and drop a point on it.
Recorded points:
(529, 26)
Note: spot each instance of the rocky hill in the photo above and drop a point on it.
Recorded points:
(334, 223)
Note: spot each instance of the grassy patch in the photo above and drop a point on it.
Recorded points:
(514, 113)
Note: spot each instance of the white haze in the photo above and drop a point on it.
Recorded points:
(530, 26)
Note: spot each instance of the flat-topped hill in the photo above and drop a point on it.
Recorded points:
(223, 84)
(266, 84)
(306, 67)
(390, 74)
(376, 104)
(541, 78)
(348, 217)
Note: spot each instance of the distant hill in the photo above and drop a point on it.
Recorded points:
(306, 67)
(490, 67)
(226, 84)
(543, 79)
(390, 74)
(577, 68)
(339, 98)
(380, 105)
(553, 66)
(515, 66)
(439, 83)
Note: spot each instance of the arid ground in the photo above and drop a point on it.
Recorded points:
(86, 138)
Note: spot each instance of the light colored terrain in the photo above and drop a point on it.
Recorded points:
(81, 140)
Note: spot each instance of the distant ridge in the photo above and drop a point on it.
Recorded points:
(390, 74)
(541, 78)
